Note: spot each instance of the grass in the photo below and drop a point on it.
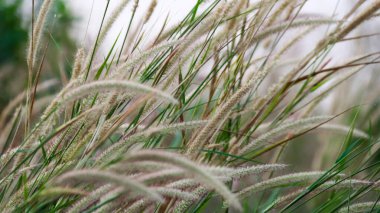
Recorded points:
(194, 119)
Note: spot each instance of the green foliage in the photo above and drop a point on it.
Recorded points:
(13, 35)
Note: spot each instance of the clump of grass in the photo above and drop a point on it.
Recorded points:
(189, 119)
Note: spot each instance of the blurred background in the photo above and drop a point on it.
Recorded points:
(74, 24)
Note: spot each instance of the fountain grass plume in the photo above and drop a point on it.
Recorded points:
(35, 41)
(80, 205)
(295, 126)
(222, 113)
(112, 86)
(79, 59)
(120, 147)
(295, 178)
(205, 177)
(109, 177)
(150, 11)
(183, 205)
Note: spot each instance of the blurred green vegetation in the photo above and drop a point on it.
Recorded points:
(13, 36)
(14, 27)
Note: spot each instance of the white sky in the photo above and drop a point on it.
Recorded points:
(176, 9)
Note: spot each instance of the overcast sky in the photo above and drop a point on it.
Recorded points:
(176, 9)
(90, 12)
